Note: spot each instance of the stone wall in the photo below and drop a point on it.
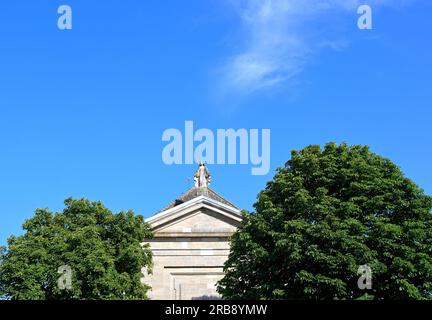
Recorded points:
(190, 247)
(187, 268)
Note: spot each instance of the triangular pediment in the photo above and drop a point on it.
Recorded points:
(200, 215)
(201, 221)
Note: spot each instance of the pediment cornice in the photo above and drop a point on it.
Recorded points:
(201, 203)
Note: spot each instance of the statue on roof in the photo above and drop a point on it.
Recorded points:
(202, 176)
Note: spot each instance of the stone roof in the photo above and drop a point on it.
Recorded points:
(195, 192)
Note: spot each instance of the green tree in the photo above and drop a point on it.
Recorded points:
(102, 250)
(327, 212)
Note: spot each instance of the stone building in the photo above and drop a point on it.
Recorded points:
(191, 243)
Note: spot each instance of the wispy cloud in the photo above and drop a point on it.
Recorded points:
(280, 36)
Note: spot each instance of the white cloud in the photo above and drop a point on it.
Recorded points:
(280, 36)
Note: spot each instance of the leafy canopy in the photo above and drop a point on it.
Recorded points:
(324, 214)
(102, 249)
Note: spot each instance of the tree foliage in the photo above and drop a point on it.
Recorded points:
(325, 213)
(102, 249)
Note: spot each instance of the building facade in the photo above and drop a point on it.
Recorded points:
(191, 243)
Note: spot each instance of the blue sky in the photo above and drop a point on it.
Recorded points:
(83, 110)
